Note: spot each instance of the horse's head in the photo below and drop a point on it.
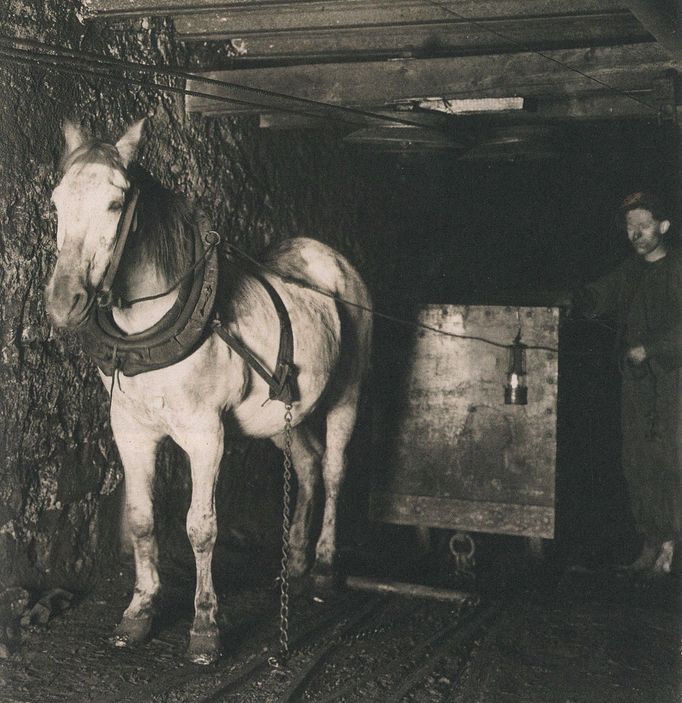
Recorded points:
(90, 200)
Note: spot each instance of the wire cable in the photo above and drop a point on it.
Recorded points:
(385, 316)
(90, 61)
(22, 57)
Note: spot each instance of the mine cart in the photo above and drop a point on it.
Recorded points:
(469, 433)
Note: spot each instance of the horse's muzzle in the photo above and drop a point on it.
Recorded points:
(67, 301)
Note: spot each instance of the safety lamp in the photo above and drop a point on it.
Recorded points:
(516, 391)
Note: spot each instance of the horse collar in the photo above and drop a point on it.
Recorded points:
(174, 337)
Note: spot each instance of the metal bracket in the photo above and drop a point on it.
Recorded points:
(462, 550)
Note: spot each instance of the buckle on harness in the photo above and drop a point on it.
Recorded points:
(286, 388)
(212, 238)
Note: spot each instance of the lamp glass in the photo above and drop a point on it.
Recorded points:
(516, 390)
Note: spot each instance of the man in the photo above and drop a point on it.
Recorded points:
(644, 294)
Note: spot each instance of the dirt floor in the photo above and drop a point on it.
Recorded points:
(542, 633)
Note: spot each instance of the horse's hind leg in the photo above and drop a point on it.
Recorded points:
(340, 423)
(306, 452)
(203, 442)
(137, 447)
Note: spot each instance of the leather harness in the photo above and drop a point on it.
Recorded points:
(187, 324)
(127, 223)
(282, 382)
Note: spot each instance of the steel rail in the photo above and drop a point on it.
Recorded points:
(453, 631)
(237, 673)
(444, 640)
(217, 695)
(301, 680)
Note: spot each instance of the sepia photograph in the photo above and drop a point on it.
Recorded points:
(340, 351)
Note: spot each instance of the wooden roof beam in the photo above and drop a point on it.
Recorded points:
(299, 20)
(449, 36)
(312, 12)
(629, 68)
(573, 108)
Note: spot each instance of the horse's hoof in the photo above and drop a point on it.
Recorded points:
(131, 632)
(298, 571)
(204, 647)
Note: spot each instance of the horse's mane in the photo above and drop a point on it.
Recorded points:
(166, 228)
(166, 222)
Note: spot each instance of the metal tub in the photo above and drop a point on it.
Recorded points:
(453, 455)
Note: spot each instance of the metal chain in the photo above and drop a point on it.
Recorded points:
(286, 526)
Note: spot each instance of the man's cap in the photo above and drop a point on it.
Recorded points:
(646, 200)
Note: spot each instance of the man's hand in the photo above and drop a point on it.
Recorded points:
(636, 355)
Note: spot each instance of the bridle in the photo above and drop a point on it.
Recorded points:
(126, 224)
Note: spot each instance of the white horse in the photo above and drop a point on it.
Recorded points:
(186, 400)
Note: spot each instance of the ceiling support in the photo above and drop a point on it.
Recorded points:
(627, 69)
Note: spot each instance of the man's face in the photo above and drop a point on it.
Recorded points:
(646, 233)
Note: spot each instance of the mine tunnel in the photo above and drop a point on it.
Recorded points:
(470, 161)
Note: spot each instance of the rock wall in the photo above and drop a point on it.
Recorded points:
(60, 475)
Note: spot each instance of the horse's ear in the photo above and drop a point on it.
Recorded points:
(73, 136)
(128, 143)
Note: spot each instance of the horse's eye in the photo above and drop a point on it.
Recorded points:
(115, 206)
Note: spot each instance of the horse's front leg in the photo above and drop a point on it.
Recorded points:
(137, 446)
(204, 444)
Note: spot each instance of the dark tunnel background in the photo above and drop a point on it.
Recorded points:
(525, 232)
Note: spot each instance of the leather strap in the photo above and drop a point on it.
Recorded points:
(282, 382)
(125, 226)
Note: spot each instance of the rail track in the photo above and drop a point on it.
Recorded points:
(232, 673)
(356, 648)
